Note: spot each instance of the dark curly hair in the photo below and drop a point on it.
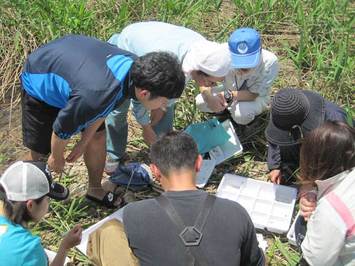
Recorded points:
(160, 73)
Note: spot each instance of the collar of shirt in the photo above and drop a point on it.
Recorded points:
(325, 186)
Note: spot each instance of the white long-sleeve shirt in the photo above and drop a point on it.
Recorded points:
(330, 237)
(152, 36)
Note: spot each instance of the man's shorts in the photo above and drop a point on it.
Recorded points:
(37, 123)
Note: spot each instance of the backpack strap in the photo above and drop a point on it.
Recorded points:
(190, 235)
(343, 212)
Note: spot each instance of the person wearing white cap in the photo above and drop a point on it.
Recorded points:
(25, 189)
(247, 86)
(203, 61)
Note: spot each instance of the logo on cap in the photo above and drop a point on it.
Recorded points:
(242, 48)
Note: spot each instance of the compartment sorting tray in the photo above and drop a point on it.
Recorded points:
(270, 206)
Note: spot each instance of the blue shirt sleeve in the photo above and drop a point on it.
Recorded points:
(273, 156)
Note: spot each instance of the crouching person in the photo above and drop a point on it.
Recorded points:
(294, 113)
(183, 226)
(25, 189)
(327, 162)
(246, 89)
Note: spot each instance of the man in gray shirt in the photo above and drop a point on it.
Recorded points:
(186, 226)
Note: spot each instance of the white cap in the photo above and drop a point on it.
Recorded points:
(212, 58)
(25, 180)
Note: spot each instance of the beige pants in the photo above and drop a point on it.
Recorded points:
(108, 246)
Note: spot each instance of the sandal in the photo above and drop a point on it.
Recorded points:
(107, 201)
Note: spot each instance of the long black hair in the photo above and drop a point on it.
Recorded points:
(16, 211)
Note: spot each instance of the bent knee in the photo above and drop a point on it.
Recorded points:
(243, 120)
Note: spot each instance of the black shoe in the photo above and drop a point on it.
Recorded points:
(222, 116)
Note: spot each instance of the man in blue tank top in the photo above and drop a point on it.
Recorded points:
(71, 84)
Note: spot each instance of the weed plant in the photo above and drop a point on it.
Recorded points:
(313, 40)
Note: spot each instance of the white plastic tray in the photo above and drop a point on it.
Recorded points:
(270, 206)
(219, 154)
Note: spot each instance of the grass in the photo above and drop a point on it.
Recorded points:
(313, 40)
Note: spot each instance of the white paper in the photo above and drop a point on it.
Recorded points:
(230, 148)
(291, 233)
(262, 242)
(205, 172)
(51, 255)
(219, 154)
(86, 233)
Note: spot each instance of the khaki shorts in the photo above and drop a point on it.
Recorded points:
(108, 246)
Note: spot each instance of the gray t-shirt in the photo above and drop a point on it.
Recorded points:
(228, 237)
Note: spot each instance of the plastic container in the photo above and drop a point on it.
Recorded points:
(270, 206)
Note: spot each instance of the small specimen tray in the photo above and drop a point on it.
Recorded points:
(270, 206)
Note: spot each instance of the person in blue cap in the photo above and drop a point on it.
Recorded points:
(246, 90)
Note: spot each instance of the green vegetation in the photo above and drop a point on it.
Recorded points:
(313, 40)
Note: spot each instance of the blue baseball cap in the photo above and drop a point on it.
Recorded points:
(245, 47)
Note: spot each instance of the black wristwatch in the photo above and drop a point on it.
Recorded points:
(228, 96)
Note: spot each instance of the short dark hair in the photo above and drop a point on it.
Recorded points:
(327, 151)
(16, 211)
(160, 73)
(174, 151)
(199, 72)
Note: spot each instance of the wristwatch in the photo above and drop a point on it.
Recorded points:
(228, 96)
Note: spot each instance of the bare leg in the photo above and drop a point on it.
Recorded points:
(94, 157)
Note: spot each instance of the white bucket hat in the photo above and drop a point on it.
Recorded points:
(209, 57)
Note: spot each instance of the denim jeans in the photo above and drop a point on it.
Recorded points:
(117, 129)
